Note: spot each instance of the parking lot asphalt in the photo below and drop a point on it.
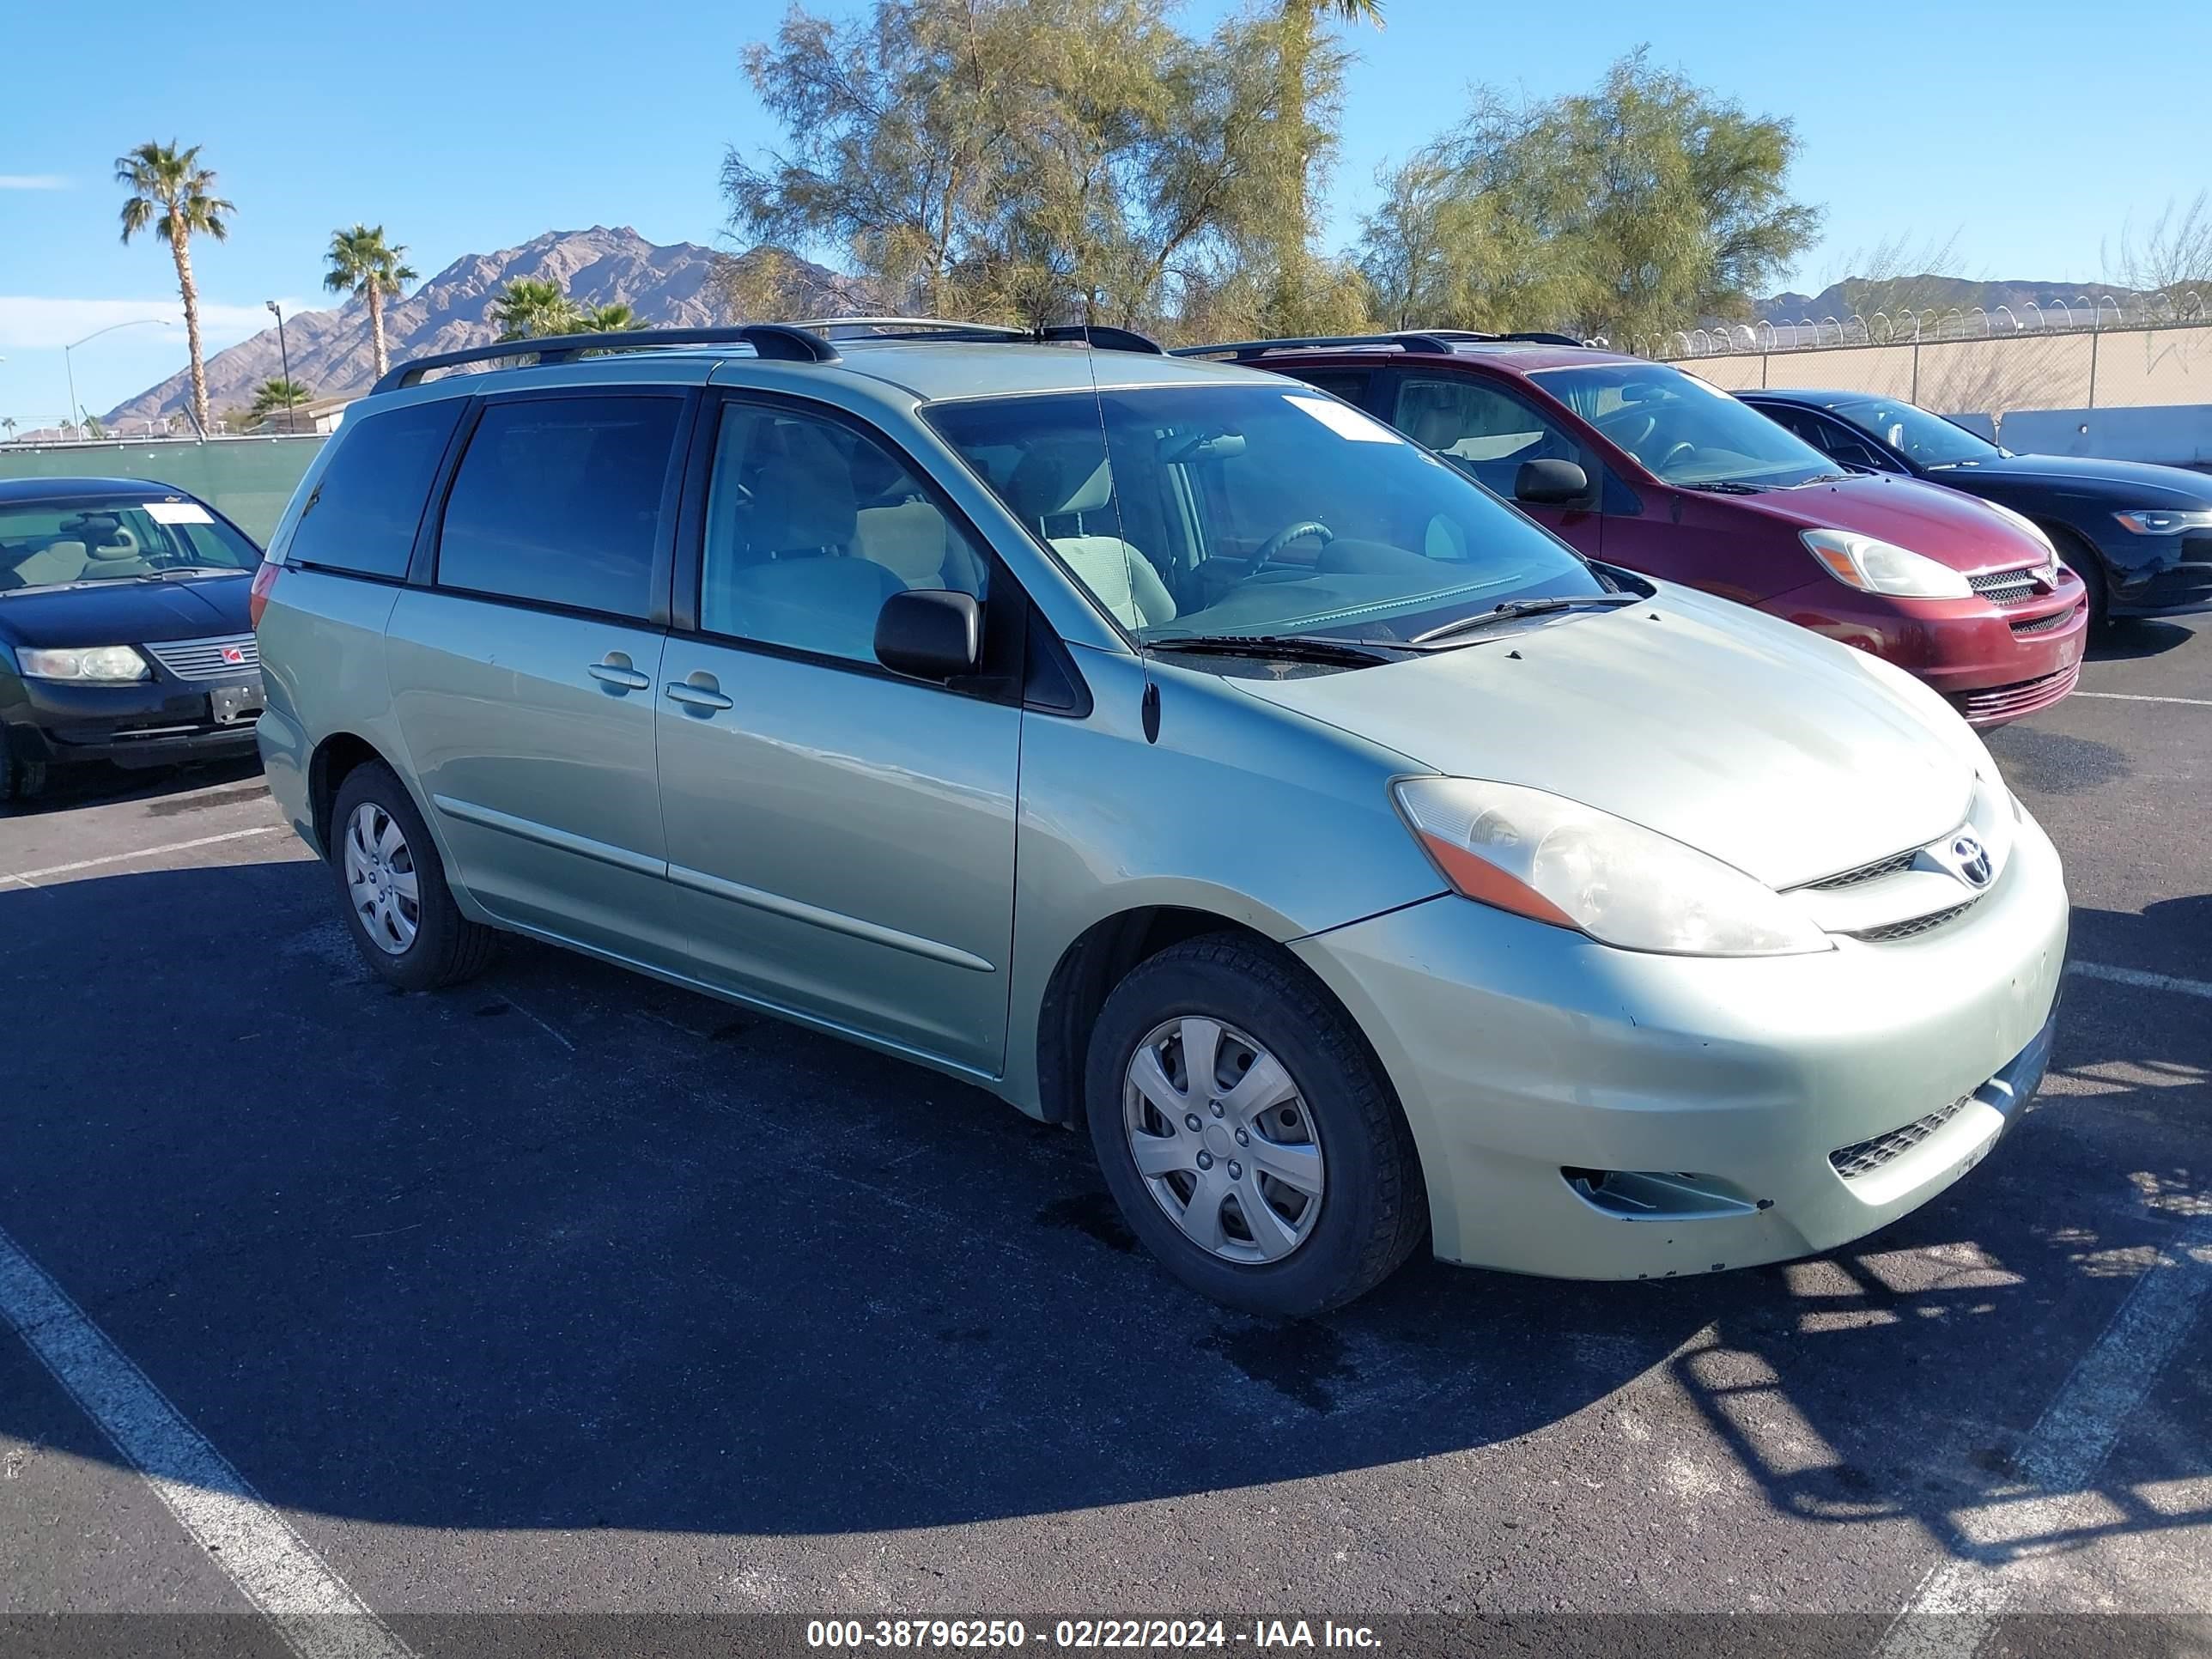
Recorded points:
(567, 1291)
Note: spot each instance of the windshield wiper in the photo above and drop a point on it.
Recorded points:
(1280, 647)
(1821, 478)
(1729, 487)
(169, 570)
(1514, 610)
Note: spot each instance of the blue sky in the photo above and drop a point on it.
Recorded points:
(2024, 134)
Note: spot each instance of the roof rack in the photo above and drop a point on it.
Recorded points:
(1245, 350)
(1099, 335)
(780, 341)
(1425, 339)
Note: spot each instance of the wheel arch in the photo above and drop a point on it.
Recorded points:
(1101, 958)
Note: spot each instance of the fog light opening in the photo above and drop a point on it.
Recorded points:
(1660, 1195)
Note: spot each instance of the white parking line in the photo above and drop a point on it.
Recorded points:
(27, 877)
(276, 1569)
(2132, 696)
(1954, 1607)
(2140, 980)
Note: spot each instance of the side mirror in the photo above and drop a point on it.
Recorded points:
(930, 633)
(1551, 483)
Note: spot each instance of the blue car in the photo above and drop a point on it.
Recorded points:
(123, 630)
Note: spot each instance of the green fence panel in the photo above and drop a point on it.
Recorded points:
(248, 480)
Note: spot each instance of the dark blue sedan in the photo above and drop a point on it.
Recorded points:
(124, 629)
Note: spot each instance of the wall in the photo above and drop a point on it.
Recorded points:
(248, 480)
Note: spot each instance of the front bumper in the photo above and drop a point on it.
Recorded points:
(2174, 580)
(156, 722)
(1523, 1053)
(1993, 662)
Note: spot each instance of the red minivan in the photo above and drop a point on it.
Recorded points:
(1642, 466)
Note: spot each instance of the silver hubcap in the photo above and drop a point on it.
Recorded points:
(1222, 1140)
(379, 872)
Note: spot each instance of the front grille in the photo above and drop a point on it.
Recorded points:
(204, 660)
(1889, 933)
(2196, 550)
(2005, 587)
(1895, 864)
(1865, 1156)
(2045, 624)
(2010, 701)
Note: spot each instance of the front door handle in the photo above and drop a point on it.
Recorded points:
(700, 692)
(614, 671)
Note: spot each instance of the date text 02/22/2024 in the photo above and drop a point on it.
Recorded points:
(1090, 1634)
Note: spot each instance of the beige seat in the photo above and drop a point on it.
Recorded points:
(910, 539)
(1054, 488)
(57, 562)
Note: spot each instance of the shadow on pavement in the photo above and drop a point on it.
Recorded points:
(2126, 640)
(565, 1247)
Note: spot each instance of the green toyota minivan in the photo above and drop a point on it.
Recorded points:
(1184, 756)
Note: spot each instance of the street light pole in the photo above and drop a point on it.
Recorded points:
(283, 351)
(69, 365)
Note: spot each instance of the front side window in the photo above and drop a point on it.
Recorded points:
(1199, 510)
(1682, 430)
(116, 538)
(557, 501)
(810, 526)
(1487, 432)
(1926, 440)
(364, 511)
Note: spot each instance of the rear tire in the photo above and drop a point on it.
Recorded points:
(392, 887)
(1336, 1127)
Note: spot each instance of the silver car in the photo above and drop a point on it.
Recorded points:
(1181, 755)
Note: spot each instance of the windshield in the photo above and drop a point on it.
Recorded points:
(114, 538)
(1923, 439)
(1684, 431)
(1229, 509)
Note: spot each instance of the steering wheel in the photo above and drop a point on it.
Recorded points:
(1675, 453)
(1289, 533)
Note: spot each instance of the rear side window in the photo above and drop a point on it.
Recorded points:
(557, 500)
(368, 503)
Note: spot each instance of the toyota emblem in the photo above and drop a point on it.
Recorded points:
(1971, 860)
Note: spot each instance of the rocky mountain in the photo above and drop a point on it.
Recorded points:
(672, 286)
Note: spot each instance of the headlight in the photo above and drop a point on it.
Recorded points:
(1879, 567)
(110, 664)
(1555, 860)
(2165, 521)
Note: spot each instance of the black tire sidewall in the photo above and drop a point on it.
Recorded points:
(427, 963)
(1330, 1064)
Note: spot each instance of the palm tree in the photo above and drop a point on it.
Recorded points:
(365, 265)
(271, 395)
(613, 318)
(530, 305)
(8, 424)
(171, 191)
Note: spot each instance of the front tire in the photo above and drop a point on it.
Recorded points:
(1247, 1133)
(2090, 568)
(21, 780)
(392, 886)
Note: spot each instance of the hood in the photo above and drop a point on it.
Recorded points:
(1944, 525)
(2141, 484)
(1782, 753)
(126, 612)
